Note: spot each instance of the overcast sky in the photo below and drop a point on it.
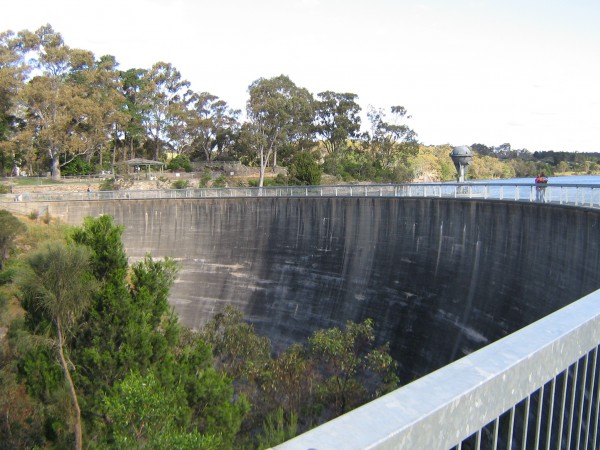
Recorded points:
(526, 72)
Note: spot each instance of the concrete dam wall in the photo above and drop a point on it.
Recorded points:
(441, 278)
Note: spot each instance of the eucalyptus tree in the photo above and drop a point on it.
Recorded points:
(213, 125)
(352, 369)
(279, 112)
(62, 118)
(165, 97)
(391, 141)
(132, 86)
(337, 119)
(56, 291)
(101, 85)
(13, 74)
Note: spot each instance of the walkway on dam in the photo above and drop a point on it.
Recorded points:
(581, 195)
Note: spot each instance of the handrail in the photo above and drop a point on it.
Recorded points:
(583, 195)
(492, 396)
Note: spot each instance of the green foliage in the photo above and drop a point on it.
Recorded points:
(22, 425)
(277, 429)
(304, 170)
(280, 114)
(131, 329)
(337, 119)
(279, 180)
(353, 164)
(129, 326)
(6, 276)
(220, 182)
(58, 286)
(38, 367)
(238, 350)
(209, 394)
(489, 168)
(109, 184)
(180, 162)
(103, 238)
(180, 184)
(205, 178)
(10, 228)
(304, 385)
(56, 290)
(77, 166)
(4, 188)
(347, 359)
(142, 412)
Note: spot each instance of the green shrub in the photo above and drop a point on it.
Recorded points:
(180, 162)
(77, 166)
(220, 182)
(110, 184)
(304, 170)
(206, 177)
(46, 218)
(4, 189)
(180, 184)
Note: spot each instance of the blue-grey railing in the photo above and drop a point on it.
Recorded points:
(569, 194)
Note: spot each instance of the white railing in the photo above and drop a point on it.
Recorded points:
(587, 195)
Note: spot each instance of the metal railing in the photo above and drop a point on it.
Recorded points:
(587, 195)
(537, 388)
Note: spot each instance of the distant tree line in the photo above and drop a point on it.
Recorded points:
(523, 163)
(95, 357)
(64, 110)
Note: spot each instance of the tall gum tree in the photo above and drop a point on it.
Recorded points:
(337, 119)
(277, 111)
(165, 96)
(392, 141)
(13, 73)
(60, 114)
(212, 124)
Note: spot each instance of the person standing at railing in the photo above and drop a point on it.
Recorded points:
(541, 183)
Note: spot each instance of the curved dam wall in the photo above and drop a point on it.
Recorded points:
(441, 278)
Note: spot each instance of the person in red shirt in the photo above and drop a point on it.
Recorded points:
(540, 187)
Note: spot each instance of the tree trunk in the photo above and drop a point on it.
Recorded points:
(156, 149)
(263, 164)
(54, 166)
(65, 367)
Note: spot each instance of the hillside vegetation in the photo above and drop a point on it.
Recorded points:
(93, 356)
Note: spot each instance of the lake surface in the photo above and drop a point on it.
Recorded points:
(571, 179)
